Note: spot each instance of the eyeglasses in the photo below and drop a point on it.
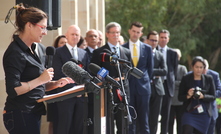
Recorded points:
(114, 32)
(153, 40)
(43, 29)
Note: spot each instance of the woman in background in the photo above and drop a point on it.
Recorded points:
(82, 43)
(196, 91)
(60, 41)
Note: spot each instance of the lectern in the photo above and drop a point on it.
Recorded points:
(99, 105)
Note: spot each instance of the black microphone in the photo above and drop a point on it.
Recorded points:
(79, 75)
(108, 51)
(105, 57)
(79, 63)
(102, 74)
(134, 71)
(50, 52)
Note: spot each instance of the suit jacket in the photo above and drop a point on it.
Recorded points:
(145, 64)
(89, 54)
(172, 63)
(124, 54)
(181, 71)
(208, 90)
(160, 69)
(217, 83)
(63, 55)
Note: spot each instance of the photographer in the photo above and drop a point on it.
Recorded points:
(196, 91)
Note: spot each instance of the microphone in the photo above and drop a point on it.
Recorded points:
(106, 57)
(50, 52)
(134, 71)
(72, 70)
(79, 75)
(108, 51)
(79, 63)
(102, 74)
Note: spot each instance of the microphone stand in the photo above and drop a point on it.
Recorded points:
(129, 120)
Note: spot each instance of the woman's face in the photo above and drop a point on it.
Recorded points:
(198, 68)
(62, 42)
(39, 30)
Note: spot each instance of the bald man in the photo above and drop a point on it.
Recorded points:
(92, 39)
(70, 111)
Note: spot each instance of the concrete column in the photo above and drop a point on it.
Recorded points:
(94, 14)
(101, 17)
(69, 14)
(83, 16)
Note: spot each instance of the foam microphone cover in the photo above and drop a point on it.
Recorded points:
(72, 70)
(50, 50)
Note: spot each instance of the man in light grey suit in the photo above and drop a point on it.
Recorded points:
(157, 89)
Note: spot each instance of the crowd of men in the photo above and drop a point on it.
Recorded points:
(148, 97)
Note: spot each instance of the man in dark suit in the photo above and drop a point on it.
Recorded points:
(140, 90)
(171, 59)
(217, 83)
(113, 30)
(157, 89)
(92, 39)
(70, 111)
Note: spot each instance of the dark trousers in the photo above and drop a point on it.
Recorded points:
(71, 116)
(141, 105)
(21, 122)
(165, 110)
(175, 113)
(155, 108)
(218, 124)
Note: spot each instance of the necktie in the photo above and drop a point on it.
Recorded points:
(74, 54)
(135, 55)
(161, 50)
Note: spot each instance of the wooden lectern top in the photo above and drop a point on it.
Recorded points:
(72, 90)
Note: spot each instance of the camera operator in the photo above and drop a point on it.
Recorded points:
(196, 91)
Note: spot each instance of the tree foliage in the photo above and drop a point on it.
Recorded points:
(195, 26)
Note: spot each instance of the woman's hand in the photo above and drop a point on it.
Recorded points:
(64, 81)
(201, 96)
(190, 93)
(47, 75)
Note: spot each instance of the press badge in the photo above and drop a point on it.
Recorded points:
(200, 108)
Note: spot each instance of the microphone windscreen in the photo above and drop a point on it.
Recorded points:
(94, 69)
(105, 57)
(50, 50)
(72, 70)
